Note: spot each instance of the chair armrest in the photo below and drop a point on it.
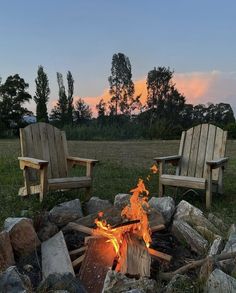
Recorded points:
(217, 163)
(32, 163)
(169, 158)
(81, 161)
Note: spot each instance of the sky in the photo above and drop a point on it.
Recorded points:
(195, 38)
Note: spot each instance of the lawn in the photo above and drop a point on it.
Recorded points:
(121, 164)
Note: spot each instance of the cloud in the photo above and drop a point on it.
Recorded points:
(197, 87)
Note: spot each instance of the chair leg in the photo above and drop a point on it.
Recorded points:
(209, 188)
(43, 183)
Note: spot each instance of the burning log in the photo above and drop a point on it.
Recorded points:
(134, 257)
(99, 258)
(77, 251)
(159, 255)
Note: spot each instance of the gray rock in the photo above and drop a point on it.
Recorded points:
(230, 264)
(232, 229)
(66, 282)
(179, 284)
(135, 291)
(217, 222)
(6, 252)
(193, 216)
(23, 237)
(165, 205)
(96, 204)
(11, 281)
(219, 282)
(46, 228)
(119, 283)
(121, 200)
(155, 217)
(66, 212)
(216, 246)
(185, 233)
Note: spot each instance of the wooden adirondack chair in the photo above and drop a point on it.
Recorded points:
(44, 148)
(200, 162)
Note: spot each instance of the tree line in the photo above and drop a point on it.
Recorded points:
(164, 114)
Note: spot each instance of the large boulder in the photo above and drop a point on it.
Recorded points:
(121, 200)
(219, 282)
(6, 252)
(194, 216)
(11, 281)
(23, 237)
(165, 205)
(96, 204)
(46, 229)
(66, 212)
(180, 283)
(216, 246)
(186, 234)
(119, 283)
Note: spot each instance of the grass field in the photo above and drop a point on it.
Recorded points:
(121, 164)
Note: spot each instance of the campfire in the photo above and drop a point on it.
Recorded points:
(124, 247)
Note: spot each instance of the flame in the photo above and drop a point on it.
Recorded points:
(154, 169)
(135, 211)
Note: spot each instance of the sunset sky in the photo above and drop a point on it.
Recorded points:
(195, 38)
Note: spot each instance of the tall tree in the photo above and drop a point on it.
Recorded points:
(121, 85)
(41, 95)
(59, 112)
(82, 112)
(70, 92)
(13, 95)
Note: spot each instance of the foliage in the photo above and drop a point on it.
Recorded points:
(70, 92)
(13, 95)
(121, 86)
(41, 95)
(82, 112)
(63, 111)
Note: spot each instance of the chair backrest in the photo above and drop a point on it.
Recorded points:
(45, 142)
(199, 144)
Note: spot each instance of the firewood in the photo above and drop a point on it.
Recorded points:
(77, 251)
(197, 263)
(78, 227)
(159, 255)
(158, 228)
(135, 259)
(78, 260)
(126, 224)
(88, 238)
(99, 258)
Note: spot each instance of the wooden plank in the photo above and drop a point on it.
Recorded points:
(45, 146)
(69, 182)
(78, 261)
(157, 228)
(77, 251)
(210, 146)
(52, 151)
(36, 138)
(55, 256)
(181, 145)
(202, 151)
(61, 156)
(183, 181)
(78, 227)
(217, 151)
(194, 150)
(186, 152)
(99, 258)
(33, 189)
(159, 255)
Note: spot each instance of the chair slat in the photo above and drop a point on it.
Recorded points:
(53, 151)
(202, 151)
(61, 159)
(217, 150)
(209, 147)
(181, 146)
(194, 150)
(186, 152)
(45, 146)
